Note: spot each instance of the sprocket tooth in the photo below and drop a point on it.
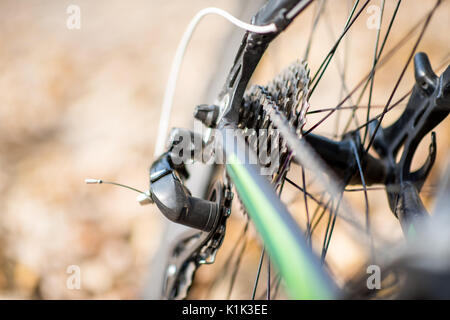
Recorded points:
(287, 93)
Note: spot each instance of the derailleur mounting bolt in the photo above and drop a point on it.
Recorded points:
(207, 114)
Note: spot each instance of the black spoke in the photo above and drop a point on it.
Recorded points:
(224, 269)
(347, 108)
(342, 70)
(403, 97)
(322, 214)
(397, 103)
(331, 219)
(277, 286)
(268, 279)
(236, 267)
(375, 58)
(261, 260)
(303, 190)
(411, 55)
(320, 8)
(366, 200)
(308, 222)
(330, 229)
(364, 189)
(380, 63)
(319, 74)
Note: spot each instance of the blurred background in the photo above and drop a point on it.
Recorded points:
(85, 103)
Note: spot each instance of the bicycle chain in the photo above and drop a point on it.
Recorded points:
(281, 105)
(206, 254)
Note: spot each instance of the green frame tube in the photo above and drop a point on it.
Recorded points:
(303, 275)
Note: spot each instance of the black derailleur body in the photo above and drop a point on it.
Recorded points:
(168, 191)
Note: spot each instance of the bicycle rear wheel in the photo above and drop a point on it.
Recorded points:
(339, 103)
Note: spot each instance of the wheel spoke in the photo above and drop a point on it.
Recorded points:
(320, 9)
(308, 222)
(380, 63)
(236, 267)
(224, 270)
(261, 260)
(366, 200)
(375, 58)
(329, 231)
(268, 279)
(411, 55)
(319, 74)
(375, 61)
(305, 192)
